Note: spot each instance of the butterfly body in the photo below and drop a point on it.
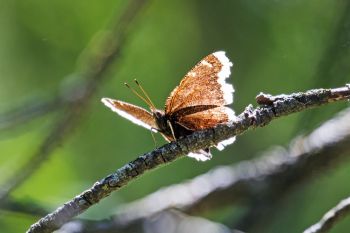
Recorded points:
(162, 122)
(198, 103)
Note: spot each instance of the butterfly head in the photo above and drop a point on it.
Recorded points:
(160, 118)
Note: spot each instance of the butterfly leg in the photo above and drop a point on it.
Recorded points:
(154, 139)
(172, 130)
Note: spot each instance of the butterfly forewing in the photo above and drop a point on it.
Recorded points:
(133, 113)
(204, 85)
(199, 101)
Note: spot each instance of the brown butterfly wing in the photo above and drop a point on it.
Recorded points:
(204, 85)
(207, 119)
(132, 112)
(199, 101)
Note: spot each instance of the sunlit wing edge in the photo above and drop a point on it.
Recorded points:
(221, 145)
(226, 88)
(109, 104)
(200, 156)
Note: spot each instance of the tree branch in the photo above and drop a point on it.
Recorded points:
(331, 217)
(250, 118)
(263, 179)
(92, 74)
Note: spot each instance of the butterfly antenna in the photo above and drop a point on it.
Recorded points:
(138, 95)
(145, 93)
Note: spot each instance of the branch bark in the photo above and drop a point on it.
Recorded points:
(273, 108)
(331, 217)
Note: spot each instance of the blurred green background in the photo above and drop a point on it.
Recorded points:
(276, 46)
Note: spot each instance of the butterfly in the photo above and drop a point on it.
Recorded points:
(198, 103)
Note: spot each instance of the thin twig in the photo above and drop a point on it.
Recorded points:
(93, 72)
(249, 119)
(331, 217)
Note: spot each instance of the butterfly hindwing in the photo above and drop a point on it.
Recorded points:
(207, 119)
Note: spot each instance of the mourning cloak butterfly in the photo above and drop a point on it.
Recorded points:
(198, 103)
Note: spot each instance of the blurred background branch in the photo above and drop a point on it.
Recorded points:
(29, 207)
(28, 111)
(331, 218)
(170, 221)
(91, 74)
